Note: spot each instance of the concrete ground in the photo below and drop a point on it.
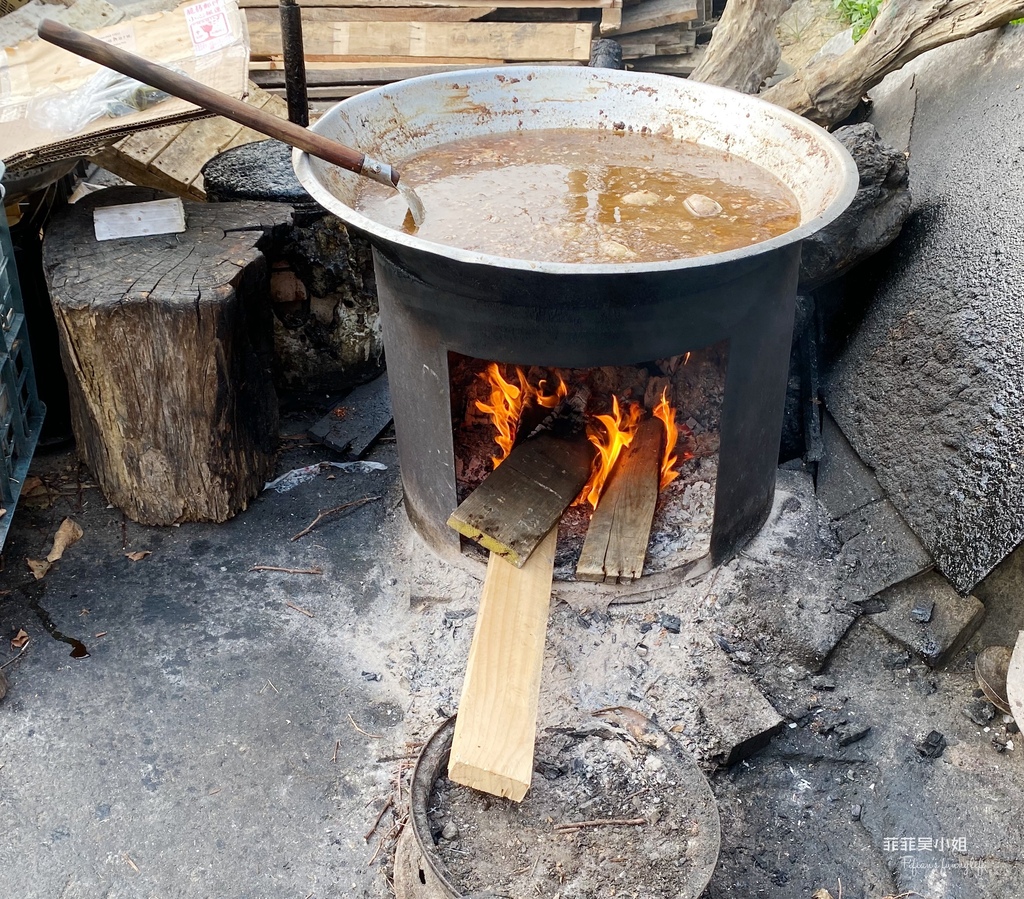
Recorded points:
(234, 733)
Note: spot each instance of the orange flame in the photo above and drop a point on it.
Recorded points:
(669, 459)
(507, 402)
(619, 431)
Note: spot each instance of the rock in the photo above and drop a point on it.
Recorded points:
(855, 813)
(844, 483)
(931, 745)
(450, 831)
(823, 683)
(738, 713)
(980, 712)
(3, 685)
(874, 218)
(848, 735)
(922, 611)
(952, 622)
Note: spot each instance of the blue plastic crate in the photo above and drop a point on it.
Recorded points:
(21, 412)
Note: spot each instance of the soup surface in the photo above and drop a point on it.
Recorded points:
(568, 195)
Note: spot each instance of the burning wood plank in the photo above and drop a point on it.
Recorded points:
(523, 498)
(621, 526)
(495, 731)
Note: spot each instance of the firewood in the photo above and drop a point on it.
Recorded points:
(621, 525)
(827, 90)
(523, 498)
(495, 731)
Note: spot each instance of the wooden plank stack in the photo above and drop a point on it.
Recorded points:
(354, 45)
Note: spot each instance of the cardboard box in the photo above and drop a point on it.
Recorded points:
(206, 40)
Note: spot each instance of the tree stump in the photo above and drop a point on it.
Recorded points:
(166, 343)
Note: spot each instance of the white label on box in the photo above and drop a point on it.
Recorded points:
(139, 219)
(208, 26)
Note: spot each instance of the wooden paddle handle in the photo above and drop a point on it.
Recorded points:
(214, 101)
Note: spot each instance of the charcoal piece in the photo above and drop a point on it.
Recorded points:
(922, 611)
(931, 745)
(850, 735)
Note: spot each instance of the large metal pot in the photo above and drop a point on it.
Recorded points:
(435, 298)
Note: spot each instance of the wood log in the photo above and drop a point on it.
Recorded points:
(523, 498)
(452, 40)
(828, 90)
(744, 50)
(166, 343)
(620, 527)
(496, 728)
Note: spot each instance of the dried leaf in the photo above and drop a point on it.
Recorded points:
(1015, 680)
(38, 568)
(139, 555)
(19, 640)
(31, 484)
(67, 535)
(35, 493)
(821, 894)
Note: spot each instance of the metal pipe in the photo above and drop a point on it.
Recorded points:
(294, 62)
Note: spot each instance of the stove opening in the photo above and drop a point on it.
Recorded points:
(497, 405)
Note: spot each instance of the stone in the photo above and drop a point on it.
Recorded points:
(874, 218)
(928, 388)
(850, 734)
(844, 482)
(856, 812)
(450, 832)
(954, 620)
(354, 425)
(931, 745)
(879, 550)
(922, 611)
(736, 710)
(980, 712)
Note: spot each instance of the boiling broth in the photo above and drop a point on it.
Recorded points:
(573, 195)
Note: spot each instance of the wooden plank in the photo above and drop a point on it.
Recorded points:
(621, 525)
(175, 165)
(353, 72)
(266, 16)
(495, 731)
(670, 40)
(330, 91)
(455, 40)
(656, 13)
(611, 20)
(523, 498)
(682, 64)
(384, 4)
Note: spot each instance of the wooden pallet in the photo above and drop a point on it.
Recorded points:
(170, 158)
(394, 39)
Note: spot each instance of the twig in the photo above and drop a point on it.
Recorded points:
(337, 746)
(392, 834)
(270, 684)
(287, 570)
(328, 512)
(363, 732)
(128, 859)
(384, 808)
(305, 612)
(602, 822)
(15, 659)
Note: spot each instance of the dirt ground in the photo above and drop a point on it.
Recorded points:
(234, 733)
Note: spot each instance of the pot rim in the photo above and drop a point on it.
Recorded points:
(846, 171)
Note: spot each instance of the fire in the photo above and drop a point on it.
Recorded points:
(669, 459)
(507, 402)
(618, 434)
